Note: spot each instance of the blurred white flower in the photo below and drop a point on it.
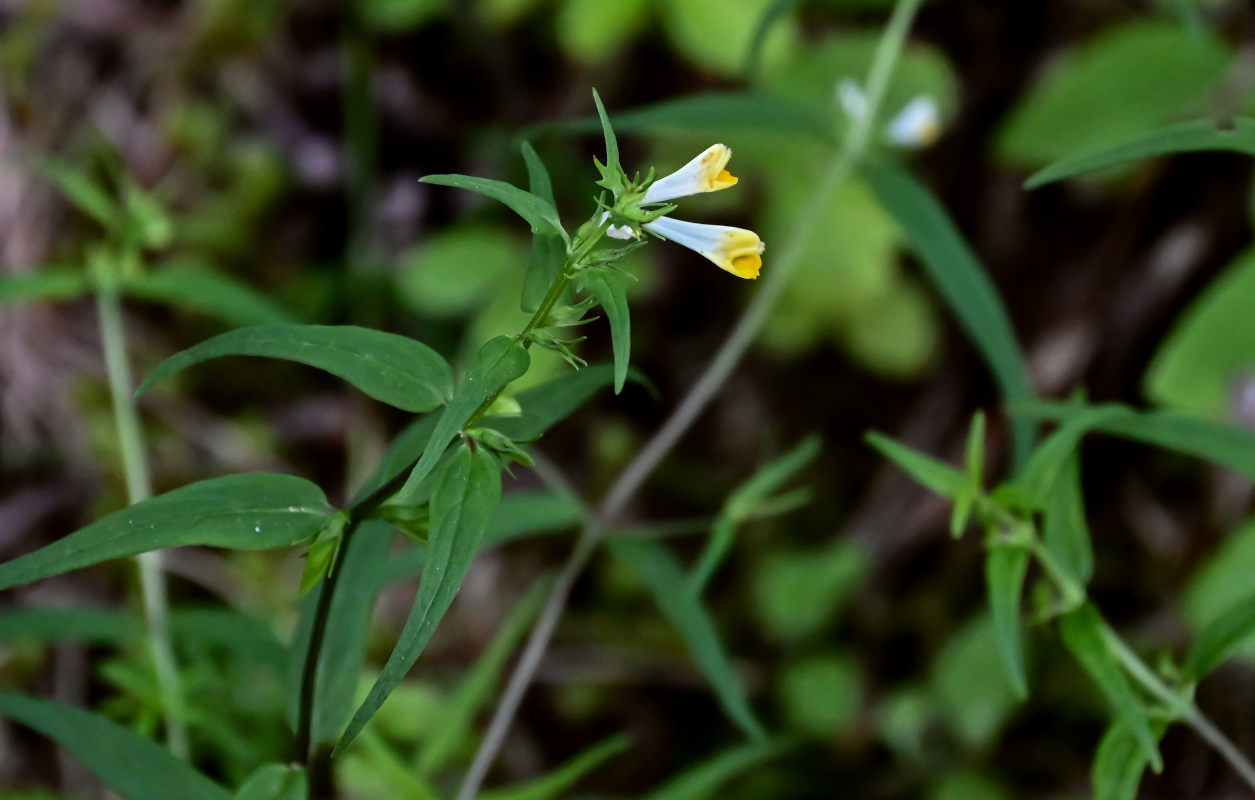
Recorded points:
(918, 124)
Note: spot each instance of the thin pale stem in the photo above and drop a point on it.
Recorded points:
(695, 401)
(139, 488)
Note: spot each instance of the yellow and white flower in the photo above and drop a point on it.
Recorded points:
(736, 250)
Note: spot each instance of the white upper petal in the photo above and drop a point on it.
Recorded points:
(705, 173)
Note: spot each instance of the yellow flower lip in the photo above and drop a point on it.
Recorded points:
(705, 173)
(735, 250)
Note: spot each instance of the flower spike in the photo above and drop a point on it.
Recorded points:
(705, 173)
(735, 250)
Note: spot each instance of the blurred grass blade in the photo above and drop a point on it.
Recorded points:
(477, 687)
(754, 53)
(1185, 137)
(1226, 445)
(498, 362)
(744, 503)
(49, 283)
(208, 292)
(720, 112)
(393, 369)
(1066, 533)
(667, 583)
(521, 514)
(1084, 636)
(548, 254)
(466, 492)
(564, 777)
(273, 782)
(1120, 762)
(84, 193)
(936, 475)
(50, 625)
(1005, 567)
(132, 766)
(253, 511)
(610, 289)
(539, 213)
(344, 643)
(958, 276)
(703, 780)
(1220, 638)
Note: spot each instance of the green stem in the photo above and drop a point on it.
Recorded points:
(138, 489)
(778, 274)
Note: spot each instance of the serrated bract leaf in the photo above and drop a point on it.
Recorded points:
(610, 289)
(1185, 137)
(53, 283)
(209, 292)
(254, 511)
(132, 766)
(1084, 635)
(540, 214)
(393, 369)
(273, 782)
(498, 362)
(1005, 567)
(466, 492)
(954, 270)
(607, 131)
(668, 585)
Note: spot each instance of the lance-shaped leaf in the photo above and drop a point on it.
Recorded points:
(548, 252)
(254, 511)
(704, 779)
(953, 268)
(88, 625)
(1219, 639)
(466, 492)
(393, 369)
(936, 475)
(129, 764)
(1120, 762)
(1186, 137)
(1084, 635)
(539, 213)
(1005, 567)
(668, 585)
(498, 362)
(609, 286)
(43, 284)
(201, 289)
(274, 782)
(556, 783)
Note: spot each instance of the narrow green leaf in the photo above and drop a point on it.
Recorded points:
(555, 783)
(393, 369)
(703, 780)
(521, 514)
(1066, 534)
(936, 475)
(84, 193)
(1185, 137)
(132, 766)
(1226, 445)
(1220, 638)
(539, 213)
(610, 289)
(553, 401)
(1084, 636)
(958, 276)
(273, 782)
(548, 252)
(344, 643)
(49, 283)
(1005, 568)
(404, 450)
(720, 112)
(209, 292)
(255, 511)
(667, 583)
(498, 362)
(1120, 762)
(976, 451)
(612, 142)
(466, 492)
(47, 625)
(1045, 467)
(477, 687)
